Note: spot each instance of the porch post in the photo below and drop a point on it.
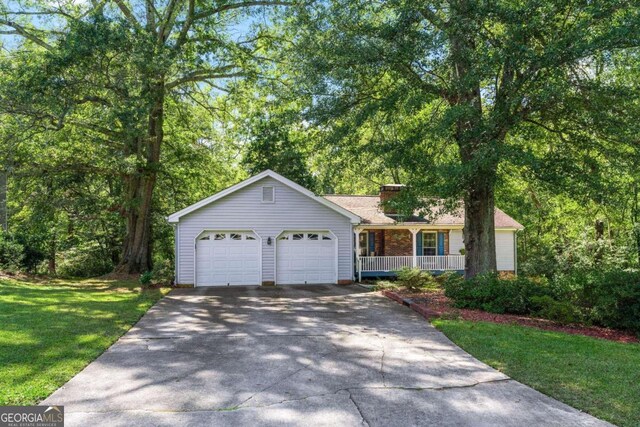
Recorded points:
(414, 233)
(357, 232)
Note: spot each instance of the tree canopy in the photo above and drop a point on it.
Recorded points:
(115, 113)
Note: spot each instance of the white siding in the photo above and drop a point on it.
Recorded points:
(455, 242)
(505, 251)
(244, 210)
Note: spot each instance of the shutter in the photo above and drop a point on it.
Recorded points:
(440, 243)
(372, 242)
(419, 244)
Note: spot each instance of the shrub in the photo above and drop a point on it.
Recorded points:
(614, 299)
(381, 285)
(415, 280)
(145, 278)
(85, 260)
(491, 293)
(449, 277)
(162, 272)
(559, 311)
(11, 253)
(608, 298)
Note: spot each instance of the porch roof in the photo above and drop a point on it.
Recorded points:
(368, 208)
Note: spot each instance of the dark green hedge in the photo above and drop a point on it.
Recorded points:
(606, 298)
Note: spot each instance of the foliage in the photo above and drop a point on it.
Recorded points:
(163, 272)
(609, 298)
(490, 293)
(559, 311)
(455, 95)
(381, 285)
(67, 325)
(145, 278)
(118, 80)
(340, 96)
(84, 260)
(415, 279)
(11, 253)
(597, 376)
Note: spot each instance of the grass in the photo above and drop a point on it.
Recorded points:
(51, 330)
(596, 376)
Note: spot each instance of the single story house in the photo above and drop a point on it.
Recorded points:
(269, 230)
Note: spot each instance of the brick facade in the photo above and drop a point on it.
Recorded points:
(379, 242)
(397, 243)
(388, 192)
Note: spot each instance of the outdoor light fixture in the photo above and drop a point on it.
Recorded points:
(269, 241)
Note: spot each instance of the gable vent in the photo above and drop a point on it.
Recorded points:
(268, 195)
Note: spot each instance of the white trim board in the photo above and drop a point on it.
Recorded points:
(175, 217)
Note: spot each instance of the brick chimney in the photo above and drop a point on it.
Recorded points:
(388, 192)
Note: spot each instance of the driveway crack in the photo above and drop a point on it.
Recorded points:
(281, 380)
(364, 420)
(384, 380)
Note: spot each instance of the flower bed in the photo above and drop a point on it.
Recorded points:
(435, 304)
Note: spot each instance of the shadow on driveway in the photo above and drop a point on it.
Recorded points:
(296, 355)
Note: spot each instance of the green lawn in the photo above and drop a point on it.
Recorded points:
(597, 376)
(49, 331)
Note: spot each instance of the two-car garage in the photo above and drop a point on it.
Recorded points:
(266, 230)
(227, 258)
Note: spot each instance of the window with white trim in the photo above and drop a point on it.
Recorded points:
(429, 243)
(364, 243)
(268, 194)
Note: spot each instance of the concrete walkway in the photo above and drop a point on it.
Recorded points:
(299, 355)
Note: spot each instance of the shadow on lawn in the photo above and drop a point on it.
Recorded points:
(50, 330)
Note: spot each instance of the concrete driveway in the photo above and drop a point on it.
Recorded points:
(298, 355)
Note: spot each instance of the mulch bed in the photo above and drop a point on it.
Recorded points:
(435, 304)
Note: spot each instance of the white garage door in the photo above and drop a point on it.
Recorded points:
(226, 258)
(306, 257)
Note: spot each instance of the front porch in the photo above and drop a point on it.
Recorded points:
(382, 250)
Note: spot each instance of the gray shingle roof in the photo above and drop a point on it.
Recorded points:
(368, 208)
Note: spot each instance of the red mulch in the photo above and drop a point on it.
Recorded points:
(435, 304)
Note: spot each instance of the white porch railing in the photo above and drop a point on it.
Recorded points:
(384, 263)
(392, 263)
(441, 262)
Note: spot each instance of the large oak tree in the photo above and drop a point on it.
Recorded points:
(110, 67)
(463, 81)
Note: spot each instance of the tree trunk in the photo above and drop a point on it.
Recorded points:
(3, 200)
(476, 147)
(635, 219)
(479, 230)
(136, 250)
